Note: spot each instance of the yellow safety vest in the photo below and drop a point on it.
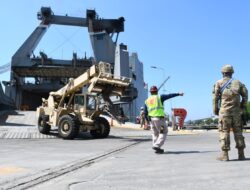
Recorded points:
(154, 106)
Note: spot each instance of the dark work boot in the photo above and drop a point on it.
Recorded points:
(223, 156)
(158, 150)
(241, 154)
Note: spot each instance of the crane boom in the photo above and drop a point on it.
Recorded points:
(96, 78)
(162, 84)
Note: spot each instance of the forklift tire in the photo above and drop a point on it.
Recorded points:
(67, 127)
(43, 127)
(102, 128)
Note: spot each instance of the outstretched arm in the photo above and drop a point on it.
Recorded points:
(168, 96)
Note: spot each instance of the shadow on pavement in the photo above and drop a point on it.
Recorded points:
(233, 160)
(87, 136)
(16, 125)
(186, 152)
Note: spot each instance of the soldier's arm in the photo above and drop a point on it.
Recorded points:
(216, 98)
(244, 97)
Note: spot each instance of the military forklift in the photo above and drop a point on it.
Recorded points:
(81, 104)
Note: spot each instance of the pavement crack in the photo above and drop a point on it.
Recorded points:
(76, 183)
(84, 181)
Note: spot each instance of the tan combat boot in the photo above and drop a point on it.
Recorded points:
(241, 154)
(223, 156)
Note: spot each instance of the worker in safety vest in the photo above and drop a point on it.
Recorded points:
(154, 113)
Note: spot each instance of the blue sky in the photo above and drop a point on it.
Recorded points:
(190, 39)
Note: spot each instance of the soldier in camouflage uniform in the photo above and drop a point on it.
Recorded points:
(230, 98)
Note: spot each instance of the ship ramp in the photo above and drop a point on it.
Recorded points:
(13, 118)
(20, 125)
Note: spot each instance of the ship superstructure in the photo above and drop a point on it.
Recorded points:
(51, 74)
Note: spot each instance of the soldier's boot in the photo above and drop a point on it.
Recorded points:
(223, 156)
(241, 155)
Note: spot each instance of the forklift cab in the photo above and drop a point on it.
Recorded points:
(86, 104)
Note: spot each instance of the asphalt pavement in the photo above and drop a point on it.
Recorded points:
(124, 160)
(188, 163)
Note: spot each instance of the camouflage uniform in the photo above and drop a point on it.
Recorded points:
(229, 105)
(142, 118)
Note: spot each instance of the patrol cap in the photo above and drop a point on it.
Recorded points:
(227, 69)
